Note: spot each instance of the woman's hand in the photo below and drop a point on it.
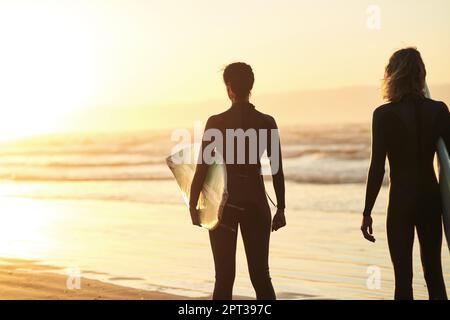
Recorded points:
(366, 228)
(279, 220)
(195, 216)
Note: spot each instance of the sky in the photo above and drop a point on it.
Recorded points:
(60, 58)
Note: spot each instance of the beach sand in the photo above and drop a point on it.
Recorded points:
(140, 250)
(27, 279)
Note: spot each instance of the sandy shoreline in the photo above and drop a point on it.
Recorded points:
(133, 250)
(27, 279)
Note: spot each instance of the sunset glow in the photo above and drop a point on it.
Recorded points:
(114, 117)
(61, 61)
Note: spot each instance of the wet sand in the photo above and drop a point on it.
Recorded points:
(27, 279)
(136, 250)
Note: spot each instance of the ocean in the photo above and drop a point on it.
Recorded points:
(107, 205)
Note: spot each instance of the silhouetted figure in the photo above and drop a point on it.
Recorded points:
(247, 204)
(406, 130)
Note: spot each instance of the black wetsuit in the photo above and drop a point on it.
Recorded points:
(407, 132)
(247, 204)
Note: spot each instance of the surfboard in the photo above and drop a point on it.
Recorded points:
(213, 195)
(444, 180)
(444, 183)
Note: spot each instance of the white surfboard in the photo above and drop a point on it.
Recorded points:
(444, 183)
(214, 193)
(444, 180)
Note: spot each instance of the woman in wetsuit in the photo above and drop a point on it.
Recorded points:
(406, 130)
(247, 204)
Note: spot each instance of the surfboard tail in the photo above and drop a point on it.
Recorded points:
(444, 178)
(444, 184)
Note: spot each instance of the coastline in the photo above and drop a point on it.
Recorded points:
(152, 247)
(23, 279)
(27, 279)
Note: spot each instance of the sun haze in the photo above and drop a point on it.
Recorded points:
(63, 63)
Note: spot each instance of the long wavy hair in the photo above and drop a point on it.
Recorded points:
(404, 75)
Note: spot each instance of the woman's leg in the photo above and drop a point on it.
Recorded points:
(400, 233)
(223, 244)
(429, 230)
(256, 229)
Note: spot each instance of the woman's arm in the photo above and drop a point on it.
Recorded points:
(375, 176)
(377, 164)
(276, 164)
(201, 170)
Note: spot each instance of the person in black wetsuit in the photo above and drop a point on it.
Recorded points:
(247, 204)
(406, 130)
